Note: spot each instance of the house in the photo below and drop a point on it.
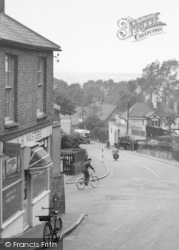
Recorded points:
(144, 113)
(144, 119)
(65, 120)
(26, 124)
(105, 112)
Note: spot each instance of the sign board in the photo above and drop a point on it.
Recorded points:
(35, 136)
(11, 149)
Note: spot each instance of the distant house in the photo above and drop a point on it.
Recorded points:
(105, 112)
(147, 114)
(144, 118)
(65, 120)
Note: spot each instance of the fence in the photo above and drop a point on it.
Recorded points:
(73, 160)
(164, 147)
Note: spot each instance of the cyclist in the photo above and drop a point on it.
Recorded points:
(86, 166)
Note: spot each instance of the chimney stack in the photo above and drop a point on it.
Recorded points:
(154, 98)
(175, 106)
(2, 6)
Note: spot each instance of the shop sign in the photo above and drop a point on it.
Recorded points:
(11, 166)
(35, 136)
(11, 149)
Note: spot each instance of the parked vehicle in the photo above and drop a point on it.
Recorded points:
(126, 142)
(84, 134)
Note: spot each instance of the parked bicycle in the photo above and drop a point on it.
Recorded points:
(93, 180)
(53, 227)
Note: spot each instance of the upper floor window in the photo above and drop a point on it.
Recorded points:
(10, 88)
(41, 86)
(155, 123)
(83, 114)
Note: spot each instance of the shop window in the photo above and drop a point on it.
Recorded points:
(12, 186)
(41, 87)
(39, 182)
(39, 163)
(10, 88)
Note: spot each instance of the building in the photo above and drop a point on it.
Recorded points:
(141, 121)
(65, 120)
(105, 112)
(26, 111)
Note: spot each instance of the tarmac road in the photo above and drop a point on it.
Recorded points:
(135, 207)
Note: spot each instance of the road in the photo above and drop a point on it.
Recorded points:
(135, 208)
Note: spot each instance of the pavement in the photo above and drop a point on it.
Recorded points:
(70, 221)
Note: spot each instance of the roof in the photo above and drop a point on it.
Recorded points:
(76, 116)
(106, 111)
(145, 109)
(14, 33)
(103, 113)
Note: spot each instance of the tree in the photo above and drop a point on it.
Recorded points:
(169, 120)
(162, 78)
(66, 104)
(93, 121)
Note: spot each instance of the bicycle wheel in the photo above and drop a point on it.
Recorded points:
(58, 227)
(94, 181)
(80, 183)
(47, 233)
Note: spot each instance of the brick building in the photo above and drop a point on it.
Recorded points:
(26, 124)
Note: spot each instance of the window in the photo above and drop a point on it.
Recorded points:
(10, 88)
(83, 114)
(41, 85)
(155, 123)
(11, 186)
(39, 182)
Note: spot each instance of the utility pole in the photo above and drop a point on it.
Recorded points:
(127, 128)
(82, 116)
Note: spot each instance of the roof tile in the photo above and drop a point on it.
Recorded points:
(12, 31)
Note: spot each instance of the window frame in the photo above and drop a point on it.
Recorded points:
(41, 86)
(10, 88)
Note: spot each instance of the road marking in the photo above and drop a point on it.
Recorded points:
(147, 168)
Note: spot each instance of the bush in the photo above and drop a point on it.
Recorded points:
(156, 145)
(71, 141)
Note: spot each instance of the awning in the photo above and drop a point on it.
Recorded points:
(39, 160)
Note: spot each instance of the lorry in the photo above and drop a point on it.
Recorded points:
(84, 134)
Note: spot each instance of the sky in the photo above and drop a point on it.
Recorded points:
(87, 30)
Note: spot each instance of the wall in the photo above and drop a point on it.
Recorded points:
(27, 84)
(160, 154)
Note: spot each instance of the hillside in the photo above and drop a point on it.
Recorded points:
(81, 77)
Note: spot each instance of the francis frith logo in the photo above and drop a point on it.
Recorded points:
(139, 28)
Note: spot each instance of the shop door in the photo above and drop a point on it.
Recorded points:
(25, 201)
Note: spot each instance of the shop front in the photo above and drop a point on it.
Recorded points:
(25, 165)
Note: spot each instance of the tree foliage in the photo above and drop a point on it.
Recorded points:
(66, 104)
(163, 78)
(93, 121)
(159, 76)
(169, 120)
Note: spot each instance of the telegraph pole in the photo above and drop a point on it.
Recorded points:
(127, 128)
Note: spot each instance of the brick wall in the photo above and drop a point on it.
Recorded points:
(27, 84)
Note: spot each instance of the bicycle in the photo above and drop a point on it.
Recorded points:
(93, 180)
(53, 227)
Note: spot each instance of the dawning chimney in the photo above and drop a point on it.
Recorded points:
(2, 6)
